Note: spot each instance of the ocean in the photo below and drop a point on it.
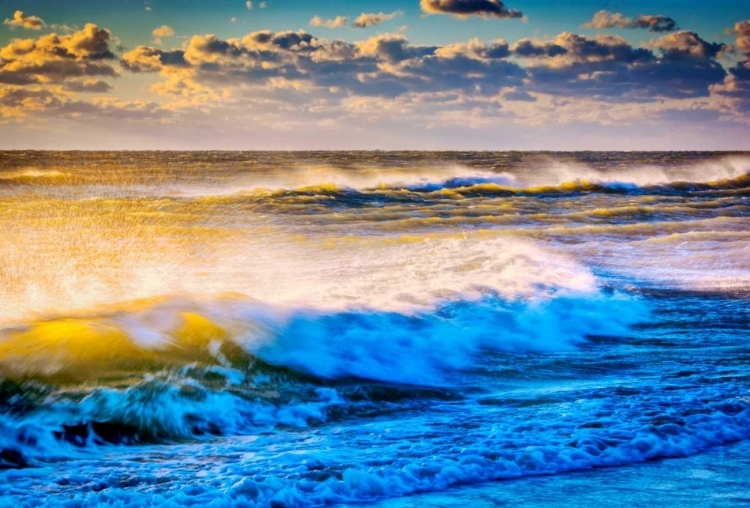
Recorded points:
(383, 329)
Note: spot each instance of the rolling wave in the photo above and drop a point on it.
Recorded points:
(415, 348)
(467, 186)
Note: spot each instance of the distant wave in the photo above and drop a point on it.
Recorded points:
(541, 177)
(504, 186)
(29, 175)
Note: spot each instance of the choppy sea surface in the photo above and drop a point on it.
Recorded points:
(383, 329)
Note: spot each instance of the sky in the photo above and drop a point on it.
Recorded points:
(388, 74)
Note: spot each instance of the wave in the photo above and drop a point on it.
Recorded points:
(357, 186)
(180, 369)
(40, 422)
(30, 175)
(636, 426)
(504, 454)
(462, 187)
(168, 407)
(86, 269)
(541, 177)
(415, 348)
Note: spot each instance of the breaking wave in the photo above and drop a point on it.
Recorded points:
(541, 178)
(507, 185)
(175, 368)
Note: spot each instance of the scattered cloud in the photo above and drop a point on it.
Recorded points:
(607, 19)
(21, 20)
(337, 22)
(162, 32)
(465, 8)
(250, 4)
(365, 19)
(296, 78)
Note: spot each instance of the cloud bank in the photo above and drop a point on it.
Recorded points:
(296, 79)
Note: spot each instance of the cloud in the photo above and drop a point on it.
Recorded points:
(112, 109)
(607, 19)
(21, 20)
(736, 86)
(742, 30)
(337, 22)
(686, 44)
(289, 72)
(19, 102)
(88, 86)
(365, 19)
(56, 102)
(519, 96)
(609, 68)
(249, 5)
(465, 8)
(386, 65)
(162, 32)
(53, 58)
(147, 59)
(40, 76)
(605, 67)
(568, 48)
(63, 28)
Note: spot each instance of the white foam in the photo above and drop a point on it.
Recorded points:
(397, 274)
(553, 172)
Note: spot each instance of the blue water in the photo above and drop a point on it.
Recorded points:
(224, 329)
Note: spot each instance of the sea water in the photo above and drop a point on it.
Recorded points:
(374, 328)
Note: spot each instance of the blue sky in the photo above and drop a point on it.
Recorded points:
(456, 74)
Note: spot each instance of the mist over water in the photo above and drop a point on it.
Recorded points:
(348, 327)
